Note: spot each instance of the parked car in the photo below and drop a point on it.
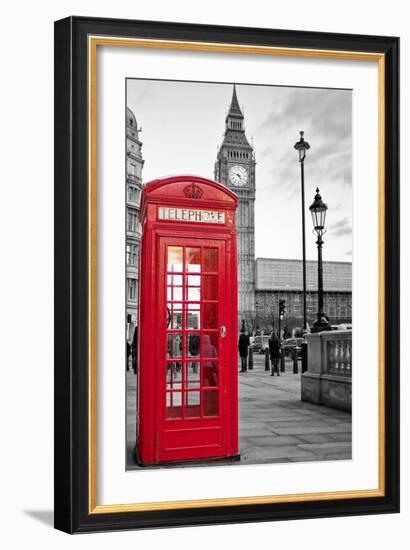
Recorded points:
(260, 343)
(342, 326)
(290, 344)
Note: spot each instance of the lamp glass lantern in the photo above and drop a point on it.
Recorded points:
(302, 146)
(318, 210)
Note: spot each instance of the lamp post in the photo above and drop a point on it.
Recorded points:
(302, 146)
(318, 210)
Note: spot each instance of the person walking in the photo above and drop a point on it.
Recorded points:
(274, 352)
(243, 346)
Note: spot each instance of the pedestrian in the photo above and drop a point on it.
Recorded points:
(274, 352)
(128, 355)
(210, 375)
(134, 351)
(243, 346)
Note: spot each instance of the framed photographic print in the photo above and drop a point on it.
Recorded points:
(226, 274)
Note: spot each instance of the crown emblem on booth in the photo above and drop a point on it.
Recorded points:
(193, 191)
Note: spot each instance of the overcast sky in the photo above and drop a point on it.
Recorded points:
(183, 123)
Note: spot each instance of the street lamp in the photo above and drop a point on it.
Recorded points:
(302, 146)
(318, 210)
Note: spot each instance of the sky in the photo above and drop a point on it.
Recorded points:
(183, 125)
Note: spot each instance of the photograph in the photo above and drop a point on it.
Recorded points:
(238, 268)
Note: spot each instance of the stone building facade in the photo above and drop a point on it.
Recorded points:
(235, 168)
(133, 184)
(277, 279)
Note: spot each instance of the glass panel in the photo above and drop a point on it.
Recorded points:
(210, 344)
(193, 260)
(174, 288)
(209, 374)
(210, 259)
(174, 316)
(174, 345)
(193, 321)
(193, 344)
(193, 294)
(177, 293)
(173, 405)
(192, 408)
(173, 376)
(210, 403)
(210, 287)
(192, 374)
(210, 315)
(175, 280)
(194, 280)
(175, 258)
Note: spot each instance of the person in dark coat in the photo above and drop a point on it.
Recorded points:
(243, 346)
(274, 352)
(128, 355)
(134, 351)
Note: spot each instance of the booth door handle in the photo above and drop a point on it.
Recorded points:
(223, 331)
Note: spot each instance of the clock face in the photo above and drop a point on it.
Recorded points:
(238, 175)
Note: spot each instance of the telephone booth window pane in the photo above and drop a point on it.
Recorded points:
(174, 280)
(193, 260)
(174, 376)
(194, 280)
(175, 261)
(210, 287)
(174, 345)
(210, 315)
(174, 287)
(193, 294)
(192, 404)
(177, 294)
(210, 259)
(209, 374)
(192, 374)
(210, 345)
(173, 405)
(174, 316)
(193, 314)
(210, 403)
(193, 345)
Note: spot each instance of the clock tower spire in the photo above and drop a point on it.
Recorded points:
(235, 168)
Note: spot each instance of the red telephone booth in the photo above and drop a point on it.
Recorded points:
(187, 377)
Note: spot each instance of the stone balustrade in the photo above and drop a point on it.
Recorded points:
(339, 354)
(328, 380)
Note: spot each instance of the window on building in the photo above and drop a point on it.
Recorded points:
(132, 289)
(132, 254)
(133, 194)
(132, 220)
(132, 169)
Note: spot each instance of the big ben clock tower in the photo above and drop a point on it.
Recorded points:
(235, 168)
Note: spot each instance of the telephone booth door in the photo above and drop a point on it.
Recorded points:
(192, 358)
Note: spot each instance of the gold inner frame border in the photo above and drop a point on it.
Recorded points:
(95, 41)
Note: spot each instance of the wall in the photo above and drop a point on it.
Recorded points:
(26, 272)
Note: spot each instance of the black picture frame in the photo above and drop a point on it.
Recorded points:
(71, 492)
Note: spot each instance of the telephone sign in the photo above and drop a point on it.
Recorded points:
(191, 215)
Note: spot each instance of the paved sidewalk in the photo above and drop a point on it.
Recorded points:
(274, 424)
